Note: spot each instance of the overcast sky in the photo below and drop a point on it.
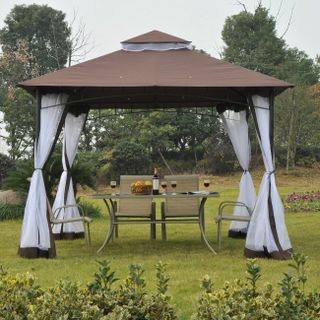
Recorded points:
(201, 21)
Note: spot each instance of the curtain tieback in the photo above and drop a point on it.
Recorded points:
(245, 171)
(37, 169)
(271, 172)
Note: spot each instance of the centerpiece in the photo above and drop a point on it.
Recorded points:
(141, 187)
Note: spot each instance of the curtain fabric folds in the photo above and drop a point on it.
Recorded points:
(36, 238)
(156, 46)
(236, 125)
(65, 193)
(267, 233)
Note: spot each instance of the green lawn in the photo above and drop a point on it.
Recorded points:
(187, 257)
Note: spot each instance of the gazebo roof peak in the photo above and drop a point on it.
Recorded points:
(156, 36)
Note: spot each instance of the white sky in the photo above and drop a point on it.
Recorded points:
(201, 21)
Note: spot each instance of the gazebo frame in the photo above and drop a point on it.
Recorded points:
(157, 70)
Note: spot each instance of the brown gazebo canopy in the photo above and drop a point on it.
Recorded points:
(151, 71)
(171, 78)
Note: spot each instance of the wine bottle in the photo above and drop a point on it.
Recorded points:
(155, 182)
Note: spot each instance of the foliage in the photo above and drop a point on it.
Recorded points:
(9, 211)
(17, 295)
(298, 201)
(90, 209)
(242, 300)
(5, 165)
(46, 32)
(21, 299)
(125, 158)
(297, 122)
(82, 173)
(19, 119)
(298, 68)
(252, 42)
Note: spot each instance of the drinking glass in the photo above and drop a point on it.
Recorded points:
(113, 185)
(173, 186)
(206, 183)
(164, 186)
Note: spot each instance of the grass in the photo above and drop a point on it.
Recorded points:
(187, 257)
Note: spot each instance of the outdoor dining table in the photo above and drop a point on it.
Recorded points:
(110, 204)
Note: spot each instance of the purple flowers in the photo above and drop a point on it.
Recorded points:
(308, 201)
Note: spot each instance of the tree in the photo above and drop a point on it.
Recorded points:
(34, 40)
(19, 119)
(297, 120)
(252, 42)
(45, 31)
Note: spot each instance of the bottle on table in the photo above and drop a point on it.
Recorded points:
(155, 182)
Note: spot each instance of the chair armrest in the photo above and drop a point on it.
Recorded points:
(70, 206)
(225, 204)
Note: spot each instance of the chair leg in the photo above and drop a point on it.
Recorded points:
(152, 228)
(163, 225)
(116, 231)
(152, 225)
(219, 233)
(203, 224)
(89, 235)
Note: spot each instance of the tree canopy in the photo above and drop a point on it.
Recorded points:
(252, 42)
(45, 32)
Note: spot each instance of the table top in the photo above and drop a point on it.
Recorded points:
(196, 194)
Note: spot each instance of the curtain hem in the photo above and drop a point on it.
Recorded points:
(278, 255)
(237, 234)
(68, 235)
(35, 252)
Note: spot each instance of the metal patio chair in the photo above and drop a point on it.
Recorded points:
(229, 216)
(183, 210)
(134, 209)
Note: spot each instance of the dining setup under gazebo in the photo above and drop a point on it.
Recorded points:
(155, 71)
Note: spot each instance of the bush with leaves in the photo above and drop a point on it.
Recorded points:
(9, 211)
(242, 299)
(82, 173)
(18, 295)
(21, 299)
(131, 300)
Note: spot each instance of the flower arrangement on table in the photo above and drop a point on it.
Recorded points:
(141, 187)
(307, 201)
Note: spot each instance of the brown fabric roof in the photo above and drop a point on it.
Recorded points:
(129, 75)
(155, 36)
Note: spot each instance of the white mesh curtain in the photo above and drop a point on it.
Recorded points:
(236, 125)
(65, 193)
(36, 240)
(267, 233)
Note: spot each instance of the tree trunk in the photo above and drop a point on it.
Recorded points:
(291, 139)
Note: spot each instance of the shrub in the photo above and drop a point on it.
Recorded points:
(82, 173)
(10, 211)
(90, 209)
(20, 299)
(242, 300)
(17, 295)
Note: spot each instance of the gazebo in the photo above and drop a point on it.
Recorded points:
(155, 70)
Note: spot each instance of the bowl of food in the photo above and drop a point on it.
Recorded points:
(141, 187)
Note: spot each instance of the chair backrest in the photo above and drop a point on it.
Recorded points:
(182, 207)
(136, 206)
